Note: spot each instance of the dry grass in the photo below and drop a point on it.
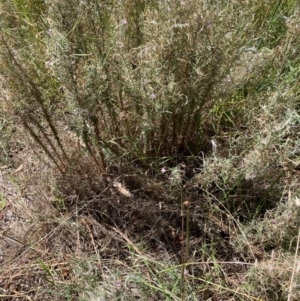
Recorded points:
(149, 150)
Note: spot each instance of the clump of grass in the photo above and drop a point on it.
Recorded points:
(142, 86)
(173, 128)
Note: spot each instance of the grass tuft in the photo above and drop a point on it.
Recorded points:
(149, 150)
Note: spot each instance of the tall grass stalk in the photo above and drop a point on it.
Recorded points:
(131, 78)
